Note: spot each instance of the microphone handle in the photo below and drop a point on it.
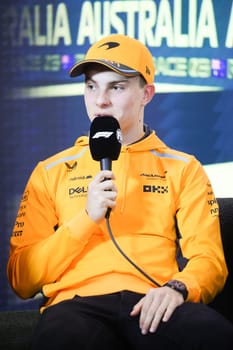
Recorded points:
(106, 164)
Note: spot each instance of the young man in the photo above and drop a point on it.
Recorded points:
(95, 297)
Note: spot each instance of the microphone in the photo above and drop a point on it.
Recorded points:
(105, 142)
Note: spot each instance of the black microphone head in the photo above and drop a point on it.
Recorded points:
(105, 138)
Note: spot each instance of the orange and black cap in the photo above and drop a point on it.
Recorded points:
(120, 53)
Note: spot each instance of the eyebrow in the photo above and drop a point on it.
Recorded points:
(123, 80)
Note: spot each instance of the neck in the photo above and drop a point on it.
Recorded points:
(129, 138)
(137, 137)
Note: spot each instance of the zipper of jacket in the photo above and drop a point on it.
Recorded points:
(124, 177)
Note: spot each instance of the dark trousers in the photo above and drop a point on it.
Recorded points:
(103, 322)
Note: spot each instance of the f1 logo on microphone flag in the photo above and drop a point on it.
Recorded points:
(105, 134)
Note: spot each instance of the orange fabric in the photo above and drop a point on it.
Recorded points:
(155, 184)
(121, 53)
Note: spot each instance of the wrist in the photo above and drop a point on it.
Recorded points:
(178, 286)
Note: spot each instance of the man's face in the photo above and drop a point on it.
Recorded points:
(109, 93)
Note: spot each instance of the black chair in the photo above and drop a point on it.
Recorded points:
(224, 301)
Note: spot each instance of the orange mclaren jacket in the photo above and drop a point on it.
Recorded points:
(158, 188)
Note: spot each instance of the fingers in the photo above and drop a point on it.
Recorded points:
(107, 185)
(103, 181)
(102, 194)
(137, 308)
(151, 313)
(104, 186)
(158, 305)
(103, 175)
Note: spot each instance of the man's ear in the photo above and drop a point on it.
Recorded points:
(149, 91)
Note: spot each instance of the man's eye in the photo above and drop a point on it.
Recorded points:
(118, 87)
(90, 86)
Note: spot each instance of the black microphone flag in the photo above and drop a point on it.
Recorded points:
(105, 140)
(105, 143)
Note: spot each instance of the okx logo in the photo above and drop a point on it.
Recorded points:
(155, 189)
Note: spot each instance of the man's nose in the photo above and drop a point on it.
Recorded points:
(103, 99)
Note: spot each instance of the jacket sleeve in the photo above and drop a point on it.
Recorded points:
(35, 239)
(198, 222)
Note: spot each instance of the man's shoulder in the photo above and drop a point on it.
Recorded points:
(67, 155)
(179, 154)
(165, 151)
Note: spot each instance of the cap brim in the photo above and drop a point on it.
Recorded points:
(80, 68)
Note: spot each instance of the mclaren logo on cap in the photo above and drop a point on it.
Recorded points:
(110, 45)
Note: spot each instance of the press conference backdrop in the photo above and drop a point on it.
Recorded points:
(42, 109)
